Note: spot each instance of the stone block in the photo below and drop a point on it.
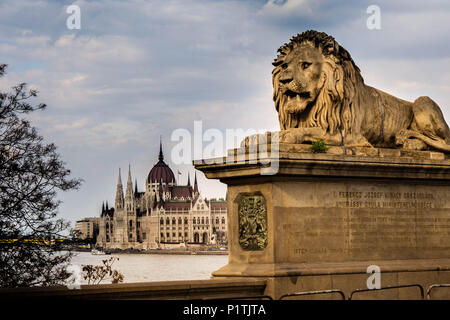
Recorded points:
(330, 216)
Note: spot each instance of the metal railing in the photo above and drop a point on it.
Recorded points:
(389, 288)
(261, 297)
(433, 286)
(340, 292)
(305, 293)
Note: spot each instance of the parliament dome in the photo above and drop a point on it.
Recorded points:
(161, 171)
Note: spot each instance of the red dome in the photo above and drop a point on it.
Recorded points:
(161, 171)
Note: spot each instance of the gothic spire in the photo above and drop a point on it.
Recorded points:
(189, 180)
(161, 156)
(119, 181)
(135, 187)
(195, 184)
(119, 193)
(129, 191)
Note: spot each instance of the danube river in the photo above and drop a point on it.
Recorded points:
(156, 267)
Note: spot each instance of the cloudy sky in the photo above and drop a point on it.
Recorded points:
(140, 69)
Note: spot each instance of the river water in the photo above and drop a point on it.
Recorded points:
(156, 267)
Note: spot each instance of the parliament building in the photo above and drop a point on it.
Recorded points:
(164, 214)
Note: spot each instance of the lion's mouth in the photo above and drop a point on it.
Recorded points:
(296, 101)
(297, 95)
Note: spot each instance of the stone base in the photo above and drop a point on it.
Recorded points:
(348, 276)
(320, 220)
(349, 282)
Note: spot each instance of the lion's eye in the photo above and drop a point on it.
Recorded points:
(305, 65)
(284, 66)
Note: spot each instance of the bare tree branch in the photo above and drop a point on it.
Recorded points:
(31, 174)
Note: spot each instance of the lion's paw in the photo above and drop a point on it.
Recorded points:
(256, 139)
(287, 136)
(401, 137)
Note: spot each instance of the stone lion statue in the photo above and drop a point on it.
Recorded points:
(319, 93)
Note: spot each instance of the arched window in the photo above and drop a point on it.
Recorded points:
(217, 220)
(194, 221)
(161, 221)
(167, 220)
(185, 220)
(179, 221)
(173, 221)
(207, 220)
(223, 219)
(131, 223)
(203, 220)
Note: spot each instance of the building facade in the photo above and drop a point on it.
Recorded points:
(87, 228)
(165, 213)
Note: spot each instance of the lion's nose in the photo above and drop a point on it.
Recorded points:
(285, 78)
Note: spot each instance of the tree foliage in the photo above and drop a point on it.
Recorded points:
(31, 173)
(96, 274)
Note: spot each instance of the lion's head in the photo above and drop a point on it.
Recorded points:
(314, 82)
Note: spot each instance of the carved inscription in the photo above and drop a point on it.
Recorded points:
(252, 222)
(373, 200)
(368, 224)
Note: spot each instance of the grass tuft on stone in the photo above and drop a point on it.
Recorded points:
(319, 146)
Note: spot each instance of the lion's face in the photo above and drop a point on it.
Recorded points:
(300, 79)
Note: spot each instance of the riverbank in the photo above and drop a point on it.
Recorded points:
(159, 251)
(207, 253)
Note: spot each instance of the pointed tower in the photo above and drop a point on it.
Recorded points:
(130, 210)
(161, 155)
(189, 180)
(129, 191)
(129, 197)
(119, 194)
(135, 187)
(103, 208)
(195, 185)
(106, 208)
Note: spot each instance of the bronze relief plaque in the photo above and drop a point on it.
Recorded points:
(252, 214)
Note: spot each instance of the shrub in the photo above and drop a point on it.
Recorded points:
(319, 146)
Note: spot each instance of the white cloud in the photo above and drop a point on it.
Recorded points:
(77, 124)
(283, 8)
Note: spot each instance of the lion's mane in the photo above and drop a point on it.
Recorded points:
(333, 108)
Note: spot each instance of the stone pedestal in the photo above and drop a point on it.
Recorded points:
(320, 220)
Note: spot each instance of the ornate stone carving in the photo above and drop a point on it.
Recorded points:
(252, 222)
(319, 93)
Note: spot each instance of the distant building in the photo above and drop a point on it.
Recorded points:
(87, 228)
(162, 214)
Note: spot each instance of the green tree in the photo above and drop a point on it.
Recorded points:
(31, 173)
